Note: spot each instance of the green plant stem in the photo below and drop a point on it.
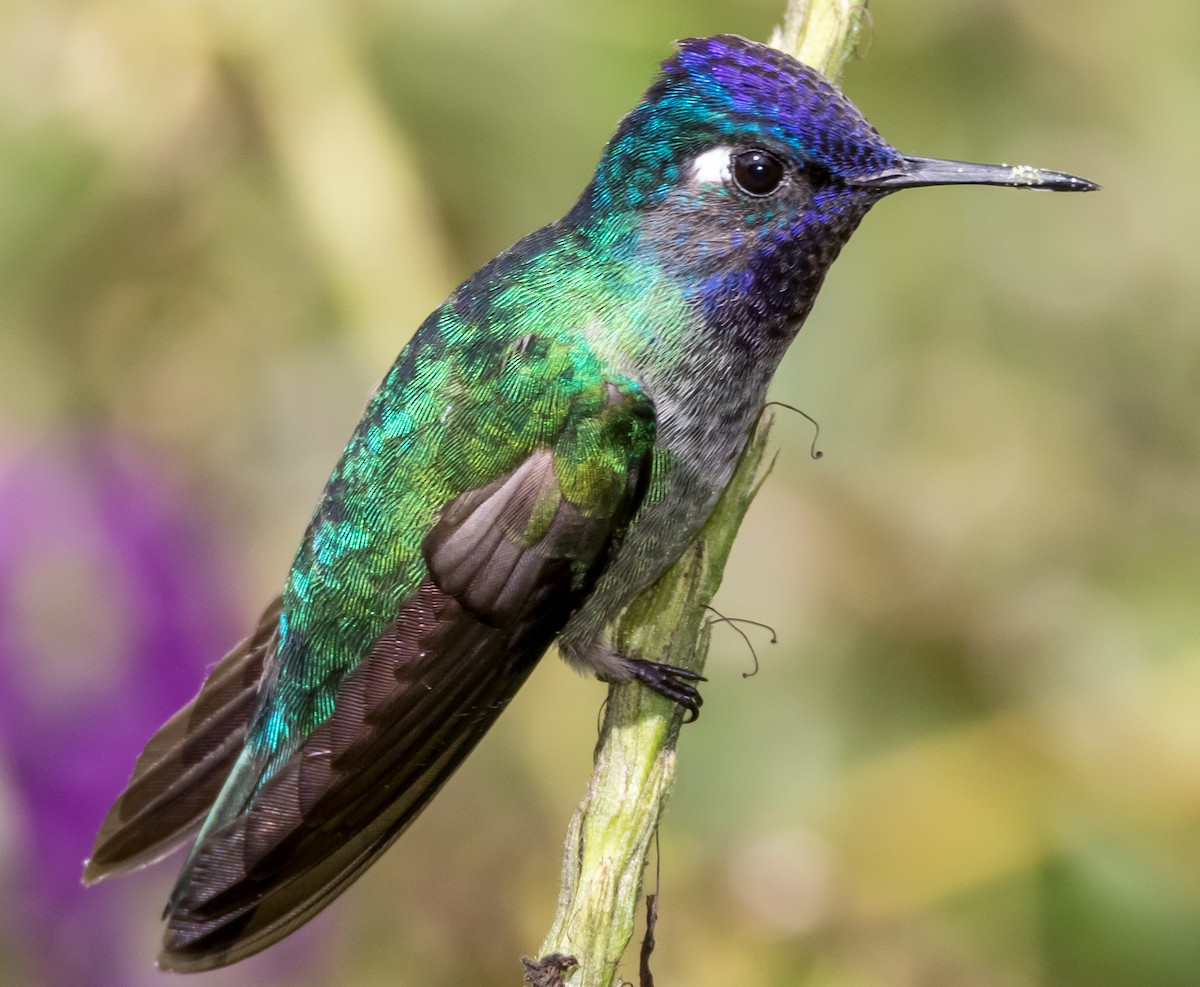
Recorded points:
(821, 33)
(612, 829)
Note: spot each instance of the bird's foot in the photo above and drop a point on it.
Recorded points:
(671, 682)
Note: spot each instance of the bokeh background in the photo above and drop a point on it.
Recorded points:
(973, 758)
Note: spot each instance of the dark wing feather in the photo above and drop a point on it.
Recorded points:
(405, 717)
(183, 766)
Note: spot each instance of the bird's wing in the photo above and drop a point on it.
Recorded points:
(185, 763)
(504, 564)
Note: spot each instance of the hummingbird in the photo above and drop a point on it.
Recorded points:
(545, 447)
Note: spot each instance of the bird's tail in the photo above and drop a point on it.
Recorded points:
(183, 766)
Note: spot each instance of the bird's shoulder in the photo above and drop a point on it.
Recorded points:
(464, 407)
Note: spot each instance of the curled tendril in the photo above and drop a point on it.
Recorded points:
(733, 622)
(865, 36)
(813, 451)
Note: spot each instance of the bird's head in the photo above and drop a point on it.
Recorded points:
(748, 171)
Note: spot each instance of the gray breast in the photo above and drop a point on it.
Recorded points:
(706, 405)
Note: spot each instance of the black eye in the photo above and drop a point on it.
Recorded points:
(757, 172)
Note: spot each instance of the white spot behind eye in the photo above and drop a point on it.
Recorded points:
(712, 166)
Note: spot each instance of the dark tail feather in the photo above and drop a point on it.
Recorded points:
(183, 766)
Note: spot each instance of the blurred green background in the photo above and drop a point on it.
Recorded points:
(973, 758)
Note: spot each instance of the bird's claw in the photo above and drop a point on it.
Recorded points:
(671, 682)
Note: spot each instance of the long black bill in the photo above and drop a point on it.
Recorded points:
(915, 172)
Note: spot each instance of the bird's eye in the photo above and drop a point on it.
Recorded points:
(757, 172)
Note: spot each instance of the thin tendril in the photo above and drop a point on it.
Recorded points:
(813, 451)
(733, 622)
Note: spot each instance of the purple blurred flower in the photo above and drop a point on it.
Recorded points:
(113, 603)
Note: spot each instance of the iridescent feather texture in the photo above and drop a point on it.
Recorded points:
(544, 448)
